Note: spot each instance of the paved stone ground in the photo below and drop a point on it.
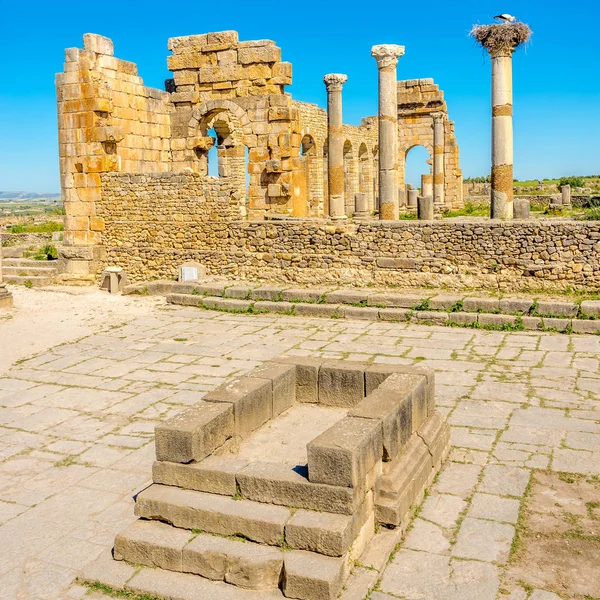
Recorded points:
(76, 427)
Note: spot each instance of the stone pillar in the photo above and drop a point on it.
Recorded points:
(6, 298)
(425, 208)
(565, 191)
(361, 205)
(412, 198)
(335, 144)
(522, 207)
(427, 184)
(502, 135)
(387, 60)
(439, 145)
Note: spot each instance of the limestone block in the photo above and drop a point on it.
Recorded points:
(481, 304)
(556, 324)
(550, 307)
(393, 407)
(319, 310)
(282, 69)
(416, 384)
(274, 190)
(214, 514)
(153, 544)
(444, 301)
(245, 565)
(346, 452)
(283, 380)
(267, 292)
(311, 576)
(341, 383)
(307, 376)
(521, 208)
(591, 308)
(273, 166)
(252, 400)
(394, 300)
(462, 318)
(280, 113)
(195, 433)
(346, 297)
(278, 484)
(221, 40)
(585, 326)
(98, 44)
(189, 61)
(214, 475)
(515, 305)
(259, 54)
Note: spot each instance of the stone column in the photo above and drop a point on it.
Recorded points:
(425, 208)
(439, 144)
(427, 184)
(565, 191)
(387, 60)
(502, 135)
(6, 298)
(335, 144)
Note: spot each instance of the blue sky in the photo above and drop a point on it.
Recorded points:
(556, 79)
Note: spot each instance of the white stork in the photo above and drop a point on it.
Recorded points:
(505, 18)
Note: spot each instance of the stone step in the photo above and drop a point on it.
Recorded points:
(212, 513)
(34, 280)
(241, 563)
(28, 262)
(22, 271)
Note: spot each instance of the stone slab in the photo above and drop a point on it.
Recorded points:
(444, 301)
(591, 308)
(267, 292)
(312, 577)
(283, 382)
(415, 384)
(318, 310)
(481, 304)
(559, 309)
(274, 307)
(394, 314)
(341, 383)
(346, 297)
(395, 300)
(307, 376)
(229, 304)
(303, 295)
(521, 306)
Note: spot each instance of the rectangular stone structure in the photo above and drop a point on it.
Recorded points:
(283, 381)
(346, 452)
(195, 433)
(341, 383)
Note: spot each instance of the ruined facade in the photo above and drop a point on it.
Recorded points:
(271, 150)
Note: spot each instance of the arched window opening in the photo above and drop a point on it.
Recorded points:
(417, 164)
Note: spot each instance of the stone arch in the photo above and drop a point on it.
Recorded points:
(216, 106)
(365, 174)
(350, 177)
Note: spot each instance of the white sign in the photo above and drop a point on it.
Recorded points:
(189, 274)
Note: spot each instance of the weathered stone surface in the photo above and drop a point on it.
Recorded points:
(393, 407)
(214, 475)
(444, 301)
(341, 383)
(267, 292)
(496, 320)
(415, 385)
(591, 308)
(515, 305)
(556, 324)
(346, 297)
(394, 300)
(215, 514)
(307, 376)
(481, 304)
(318, 310)
(303, 295)
(152, 544)
(241, 292)
(252, 401)
(346, 452)
(108, 571)
(312, 577)
(462, 318)
(243, 564)
(394, 314)
(278, 484)
(227, 304)
(195, 433)
(559, 309)
(584, 326)
(283, 380)
(276, 307)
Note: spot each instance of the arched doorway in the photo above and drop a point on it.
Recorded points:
(417, 162)
(350, 183)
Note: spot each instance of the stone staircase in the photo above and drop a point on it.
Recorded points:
(28, 272)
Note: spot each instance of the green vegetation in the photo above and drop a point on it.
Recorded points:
(48, 252)
(590, 214)
(42, 228)
(573, 181)
(471, 209)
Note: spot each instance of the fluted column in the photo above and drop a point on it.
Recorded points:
(386, 56)
(502, 135)
(439, 144)
(335, 144)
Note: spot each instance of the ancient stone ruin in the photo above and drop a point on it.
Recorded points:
(276, 156)
(277, 480)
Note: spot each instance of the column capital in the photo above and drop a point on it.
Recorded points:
(334, 81)
(387, 55)
(438, 116)
(504, 51)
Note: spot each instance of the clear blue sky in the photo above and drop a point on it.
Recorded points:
(556, 79)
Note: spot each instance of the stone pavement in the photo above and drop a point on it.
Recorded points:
(77, 421)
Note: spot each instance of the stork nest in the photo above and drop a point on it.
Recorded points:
(501, 36)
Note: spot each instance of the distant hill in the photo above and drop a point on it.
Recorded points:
(27, 195)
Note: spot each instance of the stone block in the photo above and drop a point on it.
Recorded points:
(213, 289)
(267, 292)
(318, 310)
(312, 577)
(553, 308)
(98, 44)
(489, 305)
(556, 324)
(212, 513)
(107, 571)
(252, 401)
(393, 407)
(516, 305)
(495, 320)
(307, 376)
(533, 323)
(274, 307)
(346, 452)
(321, 532)
(444, 301)
(394, 314)
(152, 544)
(259, 54)
(394, 300)
(366, 313)
(462, 318)
(279, 484)
(214, 475)
(521, 208)
(341, 383)
(241, 292)
(303, 295)
(283, 381)
(431, 316)
(585, 326)
(401, 384)
(591, 308)
(243, 564)
(191, 271)
(228, 304)
(346, 297)
(195, 433)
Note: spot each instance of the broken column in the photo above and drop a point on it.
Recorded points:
(427, 184)
(6, 298)
(412, 198)
(387, 60)
(439, 144)
(361, 204)
(335, 144)
(565, 191)
(425, 208)
(522, 206)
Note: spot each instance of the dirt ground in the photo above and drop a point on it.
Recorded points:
(43, 318)
(559, 545)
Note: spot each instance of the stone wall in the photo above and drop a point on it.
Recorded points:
(155, 222)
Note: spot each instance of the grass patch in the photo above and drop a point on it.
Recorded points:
(42, 228)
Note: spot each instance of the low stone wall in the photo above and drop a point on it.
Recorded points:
(153, 223)
(27, 239)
